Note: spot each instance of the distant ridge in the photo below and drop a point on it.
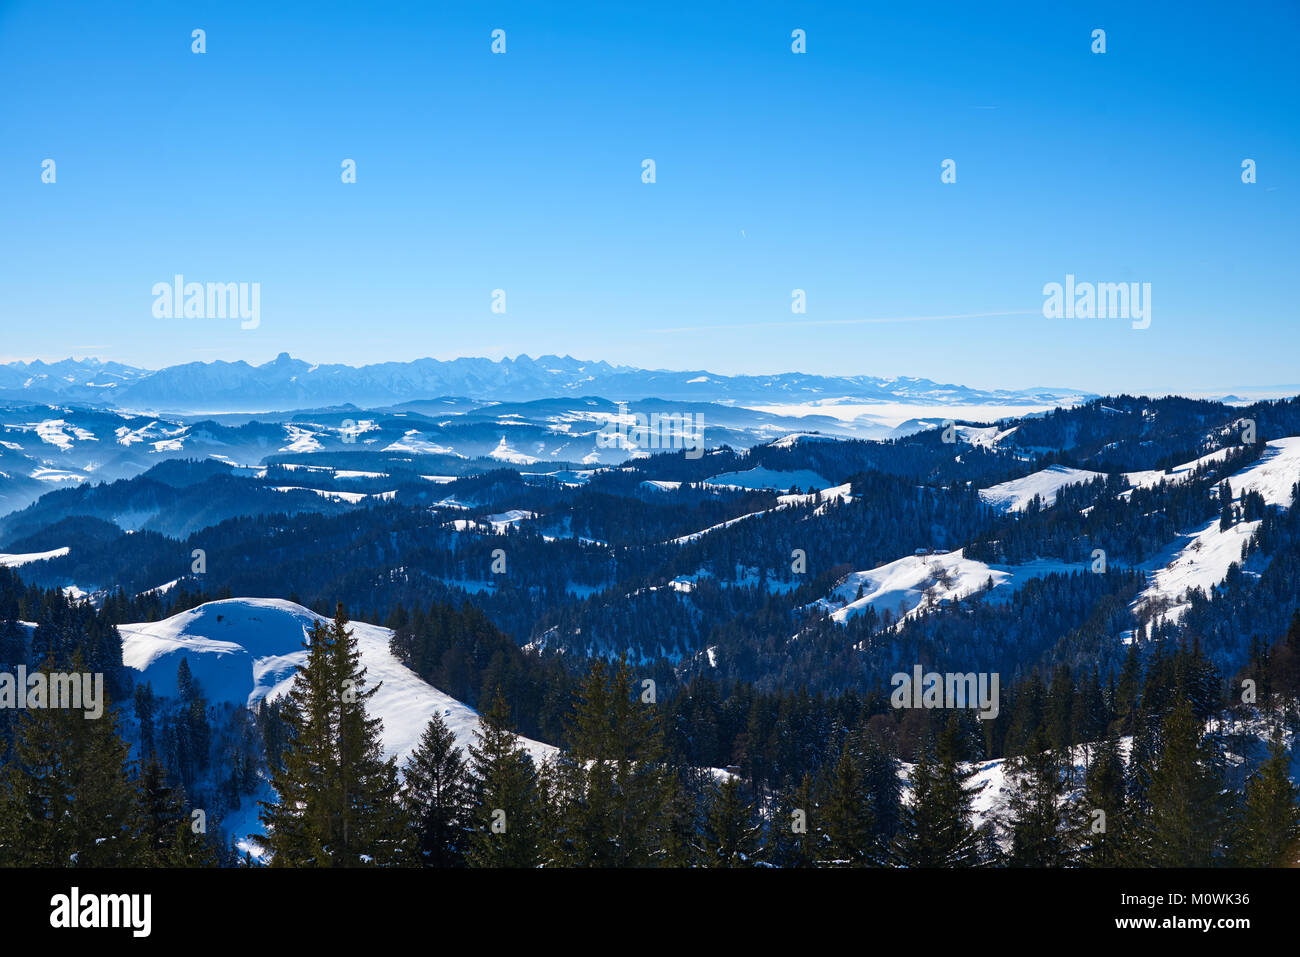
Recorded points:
(286, 383)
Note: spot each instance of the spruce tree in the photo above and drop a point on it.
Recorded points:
(435, 796)
(168, 830)
(794, 836)
(1102, 838)
(192, 723)
(731, 833)
(1126, 692)
(615, 781)
(1268, 834)
(146, 706)
(938, 829)
(337, 796)
(375, 829)
(1186, 816)
(884, 788)
(848, 824)
(506, 812)
(67, 798)
(680, 838)
(1039, 827)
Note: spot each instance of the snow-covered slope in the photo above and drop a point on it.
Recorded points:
(827, 497)
(794, 438)
(761, 478)
(12, 561)
(986, 437)
(1202, 556)
(245, 649)
(901, 587)
(1179, 473)
(1015, 495)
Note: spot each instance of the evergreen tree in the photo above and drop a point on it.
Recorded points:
(793, 839)
(1226, 512)
(192, 723)
(1185, 820)
(506, 812)
(436, 796)
(1126, 692)
(848, 825)
(680, 836)
(1040, 832)
(615, 783)
(1268, 834)
(885, 789)
(1102, 838)
(67, 798)
(146, 706)
(937, 823)
(1145, 750)
(168, 831)
(1088, 719)
(731, 834)
(338, 798)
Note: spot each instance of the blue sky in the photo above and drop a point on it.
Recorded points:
(775, 171)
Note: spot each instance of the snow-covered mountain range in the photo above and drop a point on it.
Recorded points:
(287, 383)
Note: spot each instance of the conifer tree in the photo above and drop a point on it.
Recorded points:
(1144, 752)
(146, 706)
(375, 829)
(884, 788)
(1059, 711)
(436, 796)
(1268, 834)
(937, 829)
(1040, 830)
(506, 812)
(615, 781)
(1101, 837)
(1185, 819)
(1087, 718)
(338, 797)
(168, 830)
(680, 839)
(1126, 692)
(731, 833)
(13, 644)
(848, 824)
(192, 724)
(67, 798)
(794, 836)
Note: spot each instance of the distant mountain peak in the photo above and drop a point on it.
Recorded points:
(286, 383)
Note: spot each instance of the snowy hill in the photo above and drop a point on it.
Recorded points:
(926, 581)
(243, 650)
(13, 561)
(1201, 557)
(761, 478)
(1015, 495)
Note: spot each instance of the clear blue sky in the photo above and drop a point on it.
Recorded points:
(775, 171)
